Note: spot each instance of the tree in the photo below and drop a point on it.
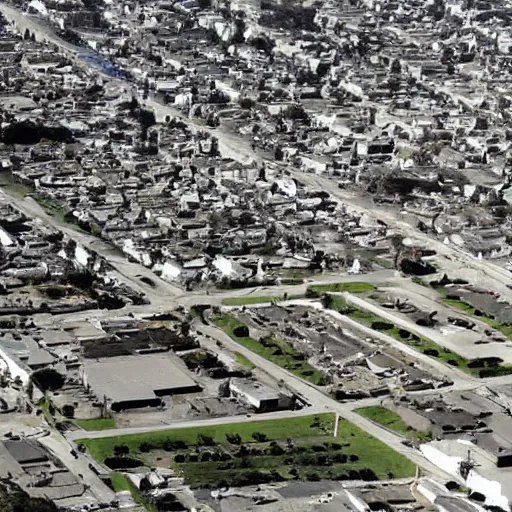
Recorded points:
(48, 379)
(145, 447)
(121, 449)
(205, 440)
(234, 439)
(68, 411)
(259, 436)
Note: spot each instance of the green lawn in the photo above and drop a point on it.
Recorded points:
(278, 351)
(97, 423)
(243, 301)
(391, 420)
(273, 429)
(244, 361)
(119, 482)
(476, 367)
(302, 448)
(352, 287)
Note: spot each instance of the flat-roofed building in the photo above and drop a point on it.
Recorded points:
(136, 381)
(260, 397)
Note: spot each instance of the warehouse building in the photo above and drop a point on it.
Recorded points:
(136, 381)
(258, 396)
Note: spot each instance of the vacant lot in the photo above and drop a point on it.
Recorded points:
(391, 420)
(287, 449)
(278, 351)
(471, 311)
(476, 367)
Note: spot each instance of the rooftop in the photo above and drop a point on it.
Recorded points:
(135, 378)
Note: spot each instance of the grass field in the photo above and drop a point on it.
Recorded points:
(97, 423)
(475, 367)
(244, 361)
(273, 429)
(353, 287)
(302, 448)
(278, 351)
(391, 420)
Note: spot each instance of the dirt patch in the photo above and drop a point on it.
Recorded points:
(409, 417)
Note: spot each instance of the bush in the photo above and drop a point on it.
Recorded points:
(169, 445)
(179, 458)
(354, 475)
(368, 475)
(205, 440)
(145, 447)
(121, 449)
(259, 437)
(242, 331)
(295, 112)
(122, 463)
(276, 449)
(234, 439)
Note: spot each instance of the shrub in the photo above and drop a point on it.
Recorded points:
(145, 447)
(122, 462)
(242, 331)
(234, 439)
(121, 449)
(247, 103)
(259, 436)
(205, 440)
